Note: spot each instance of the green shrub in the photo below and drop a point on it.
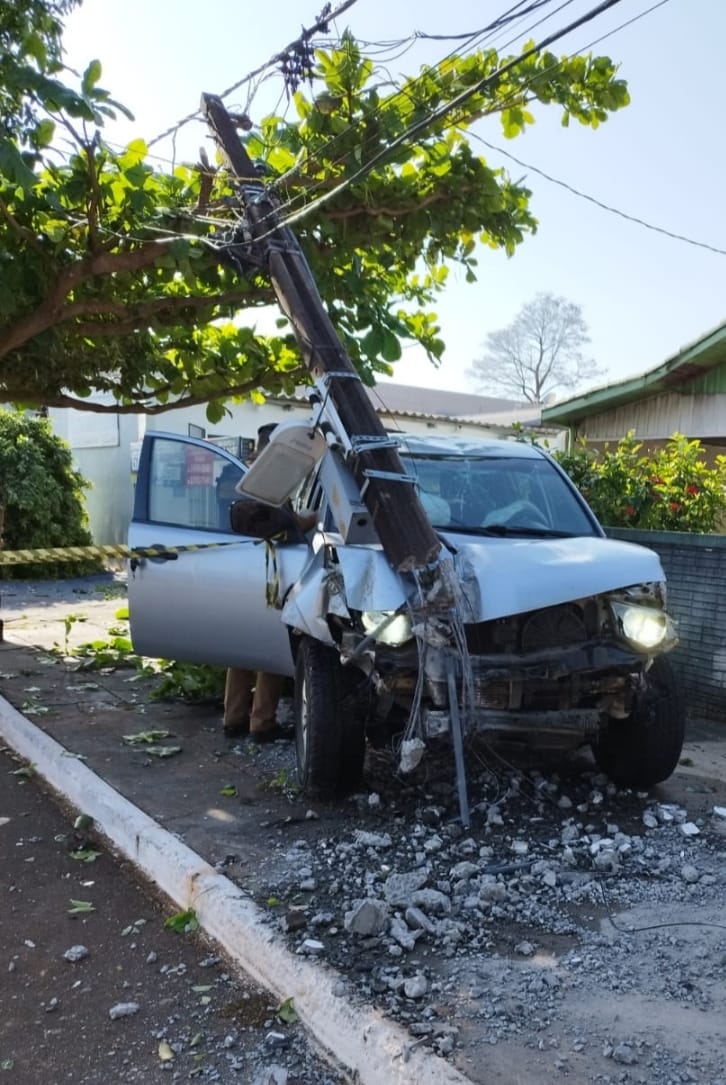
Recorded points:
(41, 497)
(670, 489)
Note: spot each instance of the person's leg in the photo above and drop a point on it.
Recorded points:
(237, 700)
(268, 690)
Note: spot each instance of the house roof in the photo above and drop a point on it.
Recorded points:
(408, 401)
(433, 402)
(691, 362)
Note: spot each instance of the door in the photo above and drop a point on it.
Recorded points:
(206, 605)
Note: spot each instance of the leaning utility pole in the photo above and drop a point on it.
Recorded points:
(406, 535)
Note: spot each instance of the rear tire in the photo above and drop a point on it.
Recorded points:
(329, 723)
(645, 748)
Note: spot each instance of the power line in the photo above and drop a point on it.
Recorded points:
(320, 24)
(599, 203)
(441, 111)
(477, 39)
(516, 93)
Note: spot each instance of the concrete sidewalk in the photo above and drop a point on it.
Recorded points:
(215, 853)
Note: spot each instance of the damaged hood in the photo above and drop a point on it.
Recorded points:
(503, 577)
(498, 577)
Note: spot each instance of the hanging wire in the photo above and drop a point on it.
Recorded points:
(477, 38)
(321, 23)
(516, 96)
(599, 203)
(437, 114)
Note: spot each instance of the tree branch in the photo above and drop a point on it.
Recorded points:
(94, 202)
(132, 317)
(20, 231)
(11, 395)
(50, 310)
(391, 212)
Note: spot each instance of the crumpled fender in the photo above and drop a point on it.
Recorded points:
(362, 580)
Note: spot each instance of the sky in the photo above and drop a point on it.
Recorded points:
(662, 159)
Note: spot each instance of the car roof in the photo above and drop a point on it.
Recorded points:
(419, 444)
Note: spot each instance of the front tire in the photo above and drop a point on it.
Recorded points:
(645, 748)
(329, 728)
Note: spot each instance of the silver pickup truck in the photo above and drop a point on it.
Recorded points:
(562, 631)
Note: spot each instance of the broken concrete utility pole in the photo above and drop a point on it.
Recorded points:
(406, 535)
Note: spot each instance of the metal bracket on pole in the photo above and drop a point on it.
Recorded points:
(368, 444)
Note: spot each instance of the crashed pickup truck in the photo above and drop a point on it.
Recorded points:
(559, 637)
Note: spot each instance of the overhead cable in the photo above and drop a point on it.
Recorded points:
(599, 203)
(320, 23)
(443, 110)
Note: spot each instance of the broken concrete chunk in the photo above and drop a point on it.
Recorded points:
(372, 840)
(524, 949)
(624, 1054)
(416, 986)
(311, 947)
(401, 933)
(412, 750)
(464, 870)
(123, 1009)
(431, 900)
(398, 889)
(367, 917)
(419, 920)
(75, 953)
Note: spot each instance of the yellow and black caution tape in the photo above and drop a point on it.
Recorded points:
(76, 553)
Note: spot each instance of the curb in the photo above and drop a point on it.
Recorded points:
(373, 1049)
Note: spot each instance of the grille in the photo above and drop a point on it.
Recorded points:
(491, 695)
(553, 628)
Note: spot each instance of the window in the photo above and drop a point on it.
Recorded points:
(191, 486)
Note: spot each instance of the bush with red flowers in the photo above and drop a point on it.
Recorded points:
(673, 488)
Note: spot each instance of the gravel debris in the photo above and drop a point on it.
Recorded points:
(565, 896)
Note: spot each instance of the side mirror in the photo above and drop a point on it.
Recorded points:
(261, 521)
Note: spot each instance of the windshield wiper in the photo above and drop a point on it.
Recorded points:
(506, 530)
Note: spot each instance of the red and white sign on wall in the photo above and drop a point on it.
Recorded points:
(199, 467)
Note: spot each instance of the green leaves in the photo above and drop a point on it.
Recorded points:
(80, 907)
(671, 489)
(142, 306)
(286, 1012)
(91, 76)
(146, 738)
(184, 922)
(85, 855)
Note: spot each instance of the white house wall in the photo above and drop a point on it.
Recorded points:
(101, 447)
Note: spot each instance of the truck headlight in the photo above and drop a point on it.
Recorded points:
(644, 627)
(387, 626)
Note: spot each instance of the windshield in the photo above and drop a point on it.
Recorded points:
(498, 495)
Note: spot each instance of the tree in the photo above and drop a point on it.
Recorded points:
(540, 352)
(41, 496)
(111, 276)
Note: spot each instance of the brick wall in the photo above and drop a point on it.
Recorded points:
(695, 568)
